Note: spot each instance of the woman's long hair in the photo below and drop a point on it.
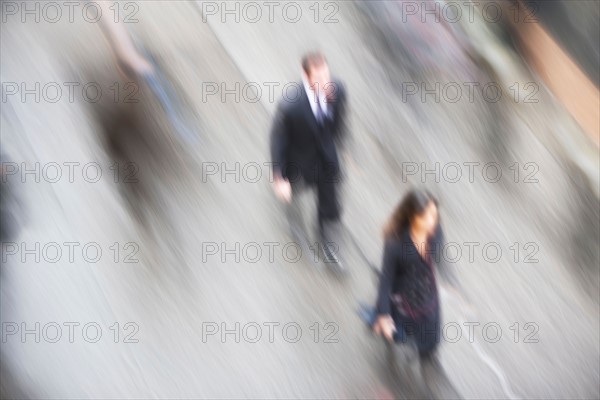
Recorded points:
(414, 203)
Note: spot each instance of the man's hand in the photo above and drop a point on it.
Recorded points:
(385, 325)
(283, 189)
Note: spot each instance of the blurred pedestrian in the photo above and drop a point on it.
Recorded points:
(305, 135)
(408, 300)
(134, 62)
(408, 307)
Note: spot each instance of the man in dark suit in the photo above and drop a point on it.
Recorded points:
(307, 130)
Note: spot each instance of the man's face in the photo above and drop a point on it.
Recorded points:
(320, 79)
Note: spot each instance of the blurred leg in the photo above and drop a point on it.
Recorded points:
(435, 378)
(294, 215)
(330, 228)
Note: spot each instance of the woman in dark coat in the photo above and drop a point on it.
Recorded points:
(408, 300)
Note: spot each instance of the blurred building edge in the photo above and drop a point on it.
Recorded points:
(559, 68)
(576, 139)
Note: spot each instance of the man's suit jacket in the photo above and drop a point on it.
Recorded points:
(300, 147)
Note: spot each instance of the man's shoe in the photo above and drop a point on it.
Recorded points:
(330, 256)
